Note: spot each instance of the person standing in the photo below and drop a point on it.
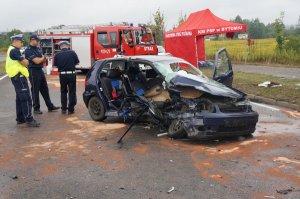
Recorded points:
(16, 69)
(37, 77)
(65, 61)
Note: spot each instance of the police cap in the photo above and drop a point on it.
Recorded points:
(34, 37)
(17, 37)
(63, 43)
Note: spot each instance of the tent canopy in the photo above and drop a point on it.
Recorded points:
(190, 34)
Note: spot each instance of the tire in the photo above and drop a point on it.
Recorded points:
(176, 130)
(96, 109)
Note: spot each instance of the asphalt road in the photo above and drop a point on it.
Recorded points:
(290, 73)
(2, 57)
(75, 157)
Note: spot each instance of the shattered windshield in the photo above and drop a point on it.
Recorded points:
(171, 68)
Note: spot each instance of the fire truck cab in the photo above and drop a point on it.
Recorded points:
(92, 43)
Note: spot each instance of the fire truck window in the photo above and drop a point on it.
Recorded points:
(138, 36)
(113, 38)
(128, 37)
(103, 38)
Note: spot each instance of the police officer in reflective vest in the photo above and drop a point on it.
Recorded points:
(16, 69)
(37, 77)
(65, 61)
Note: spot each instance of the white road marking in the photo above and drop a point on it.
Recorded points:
(266, 106)
(1, 78)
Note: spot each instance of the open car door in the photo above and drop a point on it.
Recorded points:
(223, 69)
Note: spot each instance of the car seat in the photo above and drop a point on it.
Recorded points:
(111, 82)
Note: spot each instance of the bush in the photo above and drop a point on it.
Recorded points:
(293, 44)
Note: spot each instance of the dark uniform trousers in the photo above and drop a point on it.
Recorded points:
(23, 99)
(68, 90)
(39, 84)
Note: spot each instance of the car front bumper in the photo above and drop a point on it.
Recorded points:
(204, 126)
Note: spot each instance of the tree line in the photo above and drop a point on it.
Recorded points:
(286, 36)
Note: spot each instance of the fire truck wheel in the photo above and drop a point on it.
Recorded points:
(96, 109)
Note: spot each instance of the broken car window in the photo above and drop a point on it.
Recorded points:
(222, 64)
(170, 69)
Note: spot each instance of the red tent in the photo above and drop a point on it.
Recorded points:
(187, 41)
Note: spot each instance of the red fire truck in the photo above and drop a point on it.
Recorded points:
(93, 43)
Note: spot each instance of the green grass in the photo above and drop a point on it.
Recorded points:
(248, 83)
(262, 52)
(2, 68)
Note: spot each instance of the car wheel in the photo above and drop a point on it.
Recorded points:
(96, 109)
(176, 130)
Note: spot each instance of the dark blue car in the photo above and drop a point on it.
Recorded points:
(171, 93)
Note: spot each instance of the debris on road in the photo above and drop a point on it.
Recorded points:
(269, 196)
(291, 145)
(286, 160)
(101, 139)
(162, 134)
(285, 191)
(269, 84)
(170, 190)
(147, 127)
(14, 177)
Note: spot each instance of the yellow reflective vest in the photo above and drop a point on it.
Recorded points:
(13, 67)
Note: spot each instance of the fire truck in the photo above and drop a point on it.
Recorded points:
(92, 43)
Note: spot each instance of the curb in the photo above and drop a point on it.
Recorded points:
(256, 98)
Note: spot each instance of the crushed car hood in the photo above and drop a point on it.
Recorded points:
(206, 85)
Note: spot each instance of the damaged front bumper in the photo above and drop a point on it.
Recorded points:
(204, 126)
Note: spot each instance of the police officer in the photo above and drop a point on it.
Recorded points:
(16, 69)
(37, 77)
(66, 60)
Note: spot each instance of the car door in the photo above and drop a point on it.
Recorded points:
(223, 69)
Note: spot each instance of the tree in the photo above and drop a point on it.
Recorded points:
(5, 39)
(158, 27)
(279, 29)
(293, 44)
(238, 19)
(181, 19)
(256, 29)
(297, 30)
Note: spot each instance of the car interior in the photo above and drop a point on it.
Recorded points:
(119, 78)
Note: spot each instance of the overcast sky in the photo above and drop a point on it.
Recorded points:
(30, 15)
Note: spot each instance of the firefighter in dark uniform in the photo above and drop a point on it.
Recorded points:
(65, 61)
(16, 69)
(37, 77)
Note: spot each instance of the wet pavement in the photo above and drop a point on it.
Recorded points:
(75, 157)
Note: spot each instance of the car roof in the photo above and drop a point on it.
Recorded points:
(151, 58)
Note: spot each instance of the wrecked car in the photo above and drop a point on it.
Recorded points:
(171, 92)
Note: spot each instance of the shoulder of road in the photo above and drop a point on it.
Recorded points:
(260, 99)
(283, 72)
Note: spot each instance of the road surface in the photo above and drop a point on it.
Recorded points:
(290, 73)
(2, 57)
(75, 157)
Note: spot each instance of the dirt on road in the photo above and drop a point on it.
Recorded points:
(75, 157)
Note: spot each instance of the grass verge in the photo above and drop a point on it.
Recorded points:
(248, 83)
(263, 51)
